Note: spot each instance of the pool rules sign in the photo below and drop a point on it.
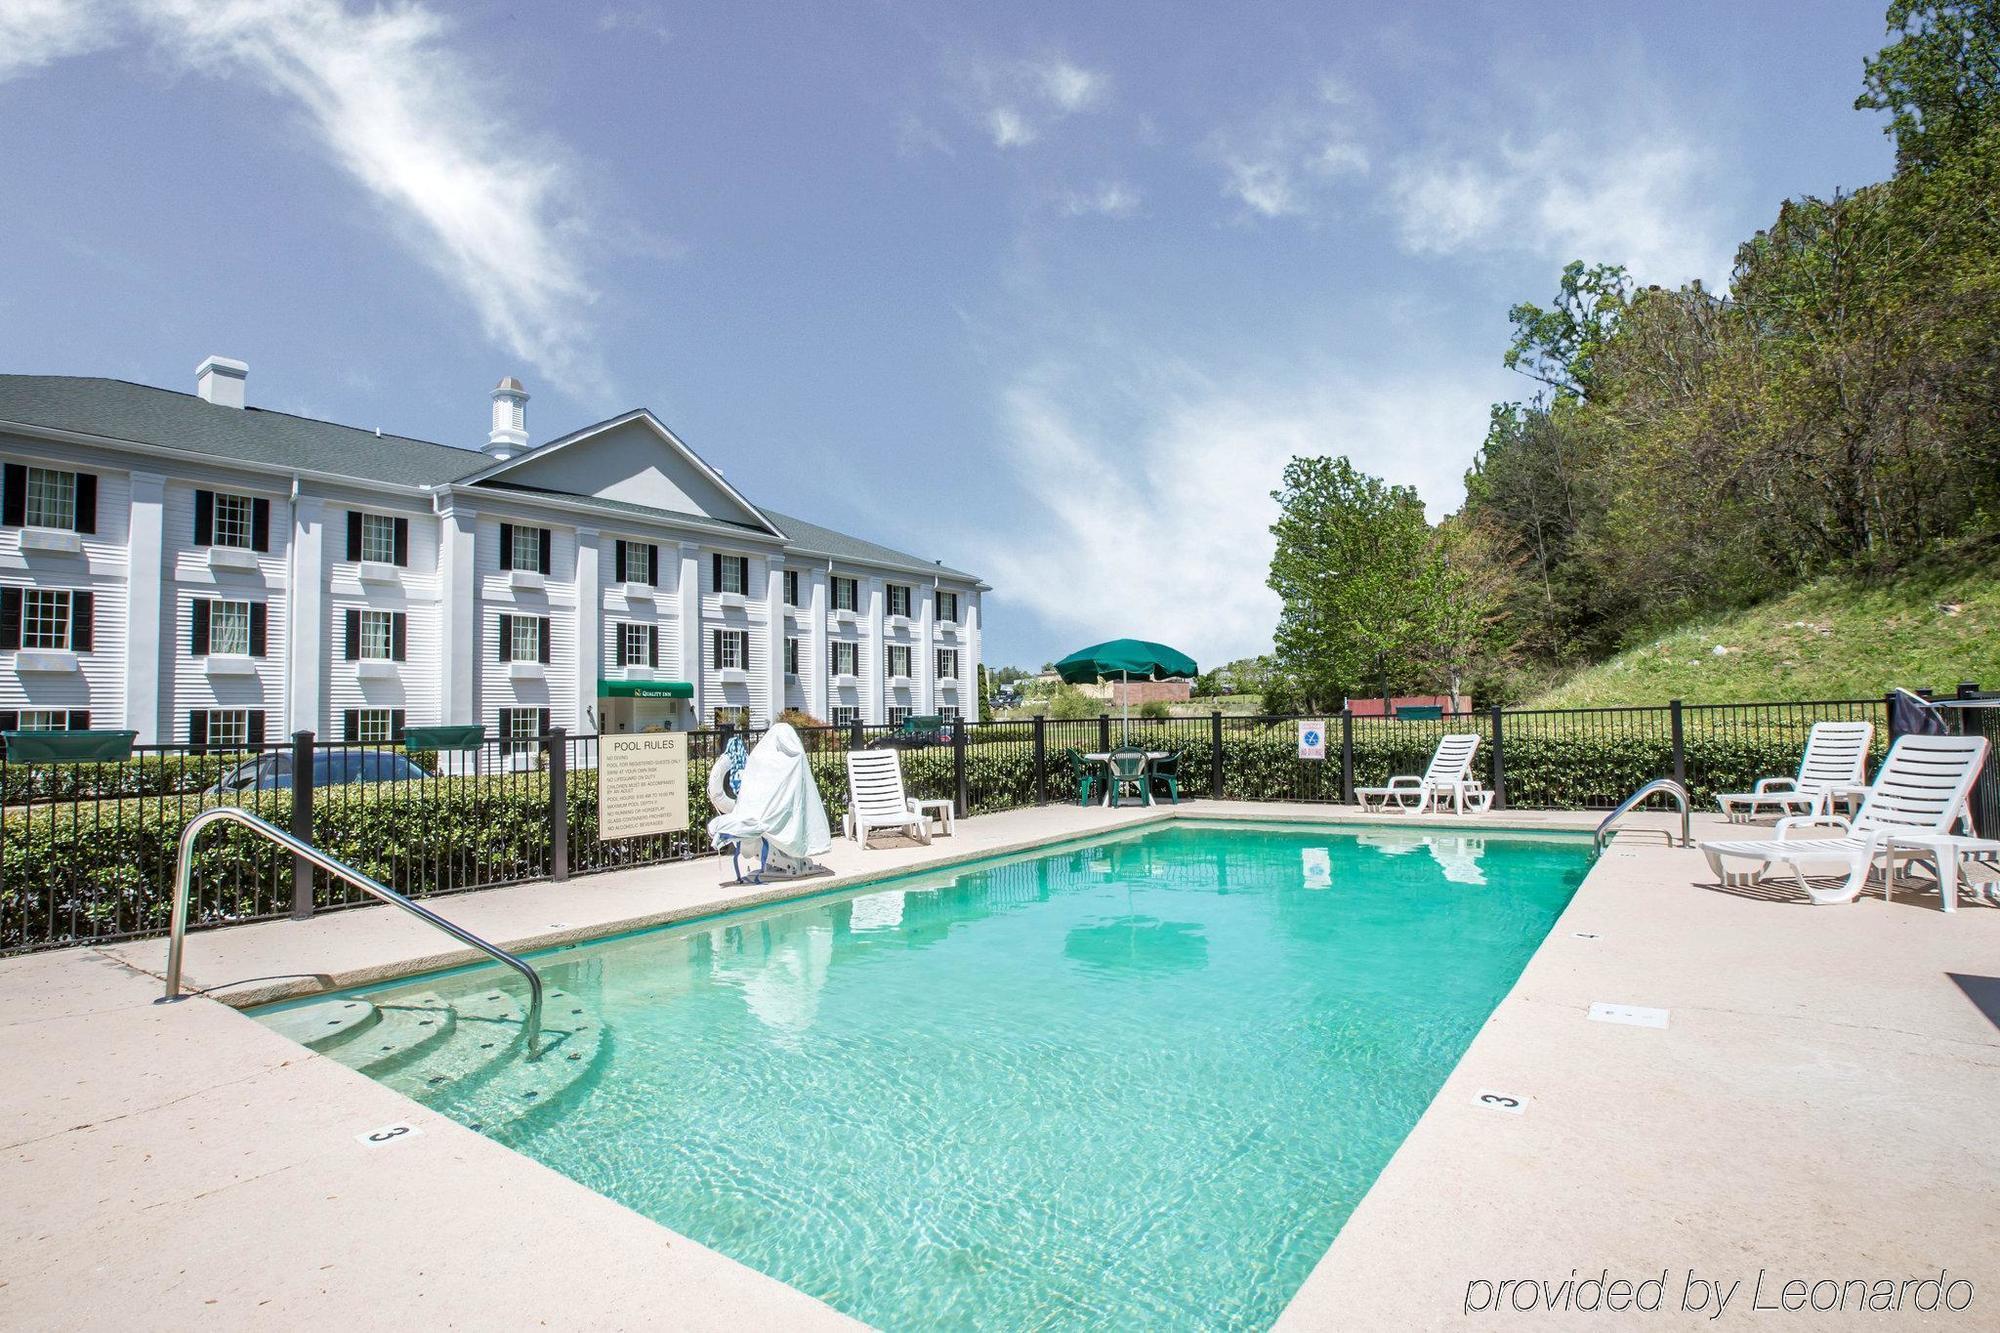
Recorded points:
(1312, 740)
(642, 784)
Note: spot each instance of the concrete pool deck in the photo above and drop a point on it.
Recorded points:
(1821, 1104)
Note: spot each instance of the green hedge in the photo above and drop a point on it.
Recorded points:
(93, 869)
(146, 775)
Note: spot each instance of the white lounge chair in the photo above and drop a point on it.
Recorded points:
(876, 799)
(1835, 765)
(1920, 792)
(1449, 775)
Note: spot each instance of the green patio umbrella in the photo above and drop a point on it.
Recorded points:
(1126, 660)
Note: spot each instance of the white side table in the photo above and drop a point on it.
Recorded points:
(942, 812)
(1944, 851)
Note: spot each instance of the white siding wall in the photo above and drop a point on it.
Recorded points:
(99, 684)
(187, 577)
(414, 688)
(556, 599)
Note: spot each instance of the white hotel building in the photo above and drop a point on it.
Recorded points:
(204, 572)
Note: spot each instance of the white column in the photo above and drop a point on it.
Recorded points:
(924, 669)
(775, 630)
(304, 694)
(875, 673)
(589, 626)
(458, 620)
(689, 588)
(819, 654)
(968, 662)
(143, 587)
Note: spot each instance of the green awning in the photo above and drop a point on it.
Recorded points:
(644, 689)
(69, 747)
(444, 738)
(1126, 659)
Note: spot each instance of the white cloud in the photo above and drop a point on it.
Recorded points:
(1111, 199)
(641, 20)
(1156, 504)
(1067, 87)
(1019, 101)
(1010, 129)
(1639, 201)
(34, 33)
(1280, 164)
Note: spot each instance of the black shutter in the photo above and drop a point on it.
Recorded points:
(198, 731)
(506, 546)
(10, 617)
(82, 621)
(398, 635)
(402, 541)
(10, 720)
(198, 640)
(541, 721)
(86, 502)
(260, 525)
(14, 495)
(653, 565)
(351, 650)
(256, 727)
(260, 629)
(79, 719)
(715, 572)
(204, 518)
(350, 725)
(653, 645)
(543, 535)
(354, 534)
(715, 649)
(395, 726)
(542, 641)
(618, 560)
(506, 644)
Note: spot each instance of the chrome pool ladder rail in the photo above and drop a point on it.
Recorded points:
(184, 878)
(1656, 787)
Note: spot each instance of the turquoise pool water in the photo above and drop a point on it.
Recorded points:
(1133, 1083)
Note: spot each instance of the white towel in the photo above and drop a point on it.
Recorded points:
(779, 801)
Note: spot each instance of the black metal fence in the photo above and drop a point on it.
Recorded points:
(87, 850)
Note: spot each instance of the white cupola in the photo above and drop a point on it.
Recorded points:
(509, 435)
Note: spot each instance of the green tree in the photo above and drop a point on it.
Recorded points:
(1559, 345)
(1939, 80)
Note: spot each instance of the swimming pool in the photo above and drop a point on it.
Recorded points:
(1134, 1082)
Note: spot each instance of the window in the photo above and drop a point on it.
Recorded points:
(45, 619)
(527, 548)
(732, 717)
(229, 627)
(374, 726)
(638, 645)
(791, 656)
(378, 541)
(845, 715)
(637, 562)
(846, 594)
(899, 599)
(792, 588)
(520, 728)
(947, 711)
(235, 521)
(525, 639)
(732, 650)
(899, 659)
(43, 719)
(947, 607)
(232, 521)
(378, 635)
(731, 573)
(947, 664)
(40, 497)
(897, 714)
(227, 728)
(845, 657)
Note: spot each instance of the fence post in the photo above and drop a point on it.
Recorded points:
(854, 732)
(959, 802)
(302, 822)
(1103, 732)
(556, 744)
(1346, 756)
(1041, 760)
(1680, 742)
(1499, 759)
(1215, 755)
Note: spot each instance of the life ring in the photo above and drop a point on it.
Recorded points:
(721, 791)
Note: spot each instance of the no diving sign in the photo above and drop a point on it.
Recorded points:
(1312, 740)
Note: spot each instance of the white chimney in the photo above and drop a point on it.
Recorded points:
(220, 381)
(509, 435)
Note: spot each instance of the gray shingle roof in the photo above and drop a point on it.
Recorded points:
(121, 410)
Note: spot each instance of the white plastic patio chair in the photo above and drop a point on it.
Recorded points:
(1921, 791)
(1835, 764)
(1449, 775)
(876, 799)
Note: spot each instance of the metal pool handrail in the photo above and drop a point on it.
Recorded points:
(1653, 788)
(184, 877)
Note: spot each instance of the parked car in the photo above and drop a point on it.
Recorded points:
(273, 772)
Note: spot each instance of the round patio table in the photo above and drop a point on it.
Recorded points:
(1104, 757)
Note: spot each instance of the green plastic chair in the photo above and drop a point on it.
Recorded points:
(1168, 770)
(1128, 769)
(1084, 772)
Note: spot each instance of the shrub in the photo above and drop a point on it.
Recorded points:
(1071, 704)
(1155, 708)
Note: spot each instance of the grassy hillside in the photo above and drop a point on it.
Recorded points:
(1834, 639)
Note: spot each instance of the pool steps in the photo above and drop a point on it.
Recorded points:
(463, 1056)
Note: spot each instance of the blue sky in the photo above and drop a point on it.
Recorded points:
(1047, 291)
